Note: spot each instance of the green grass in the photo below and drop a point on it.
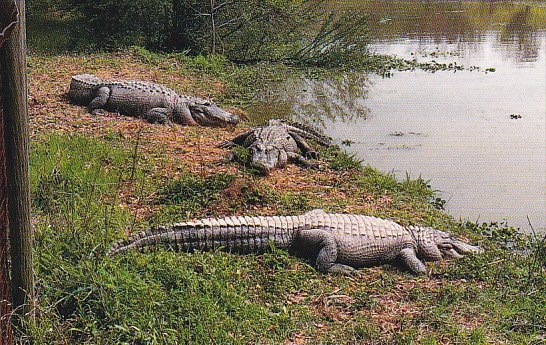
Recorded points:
(167, 298)
(87, 193)
(190, 193)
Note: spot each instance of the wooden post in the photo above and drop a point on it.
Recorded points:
(16, 130)
(6, 334)
(8, 18)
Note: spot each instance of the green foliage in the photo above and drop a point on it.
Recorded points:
(293, 203)
(339, 160)
(339, 39)
(242, 155)
(192, 189)
(374, 181)
(247, 30)
(114, 23)
(74, 182)
(346, 162)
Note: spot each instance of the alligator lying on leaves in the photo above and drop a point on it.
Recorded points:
(153, 102)
(339, 243)
(274, 145)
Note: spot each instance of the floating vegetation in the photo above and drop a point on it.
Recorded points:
(384, 65)
(401, 134)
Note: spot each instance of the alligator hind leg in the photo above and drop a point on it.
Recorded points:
(325, 243)
(304, 146)
(96, 106)
(158, 115)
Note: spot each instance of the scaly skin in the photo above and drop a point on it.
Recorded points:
(274, 145)
(339, 243)
(153, 102)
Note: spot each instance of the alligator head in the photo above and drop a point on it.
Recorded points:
(452, 247)
(208, 114)
(434, 244)
(265, 158)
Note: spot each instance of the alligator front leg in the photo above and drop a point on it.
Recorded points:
(300, 160)
(408, 257)
(158, 115)
(326, 245)
(96, 106)
(238, 140)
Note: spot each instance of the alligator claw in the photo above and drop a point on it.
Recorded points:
(312, 155)
(99, 112)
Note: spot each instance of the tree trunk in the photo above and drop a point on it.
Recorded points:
(16, 129)
(8, 18)
(6, 336)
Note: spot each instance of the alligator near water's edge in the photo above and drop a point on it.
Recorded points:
(275, 144)
(153, 102)
(338, 243)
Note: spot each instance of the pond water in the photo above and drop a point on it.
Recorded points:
(479, 137)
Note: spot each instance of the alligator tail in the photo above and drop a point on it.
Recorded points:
(234, 234)
(310, 132)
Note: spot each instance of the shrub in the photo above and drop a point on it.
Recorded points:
(246, 30)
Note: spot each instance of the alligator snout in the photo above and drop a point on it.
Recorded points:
(212, 115)
(455, 249)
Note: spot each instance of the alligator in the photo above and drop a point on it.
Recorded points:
(153, 102)
(339, 243)
(275, 144)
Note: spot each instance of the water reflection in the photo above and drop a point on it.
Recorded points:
(335, 98)
(455, 22)
(522, 35)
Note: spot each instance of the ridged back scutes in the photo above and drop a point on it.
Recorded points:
(423, 235)
(356, 225)
(82, 80)
(142, 86)
(272, 135)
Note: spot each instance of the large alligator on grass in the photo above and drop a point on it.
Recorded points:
(153, 102)
(339, 243)
(275, 144)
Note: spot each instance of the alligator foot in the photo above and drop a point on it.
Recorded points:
(98, 112)
(312, 154)
(341, 269)
(158, 115)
